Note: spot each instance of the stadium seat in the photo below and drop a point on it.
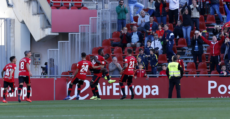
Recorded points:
(175, 49)
(121, 63)
(115, 39)
(88, 57)
(202, 66)
(74, 8)
(48, 1)
(192, 34)
(146, 9)
(192, 72)
(135, 18)
(63, 7)
(203, 58)
(208, 51)
(109, 59)
(57, 4)
(95, 51)
(130, 26)
(204, 72)
(64, 73)
(170, 26)
(210, 19)
(74, 67)
(119, 57)
(78, 5)
(191, 66)
(155, 19)
(162, 59)
(67, 4)
(201, 19)
(222, 11)
(137, 50)
(106, 43)
(181, 43)
(125, 52)
(107, 50)
(84, 8)
(116, 34)
(202, 26)
(117, 50)
(214, 72)
(53, 7)
(181, 18)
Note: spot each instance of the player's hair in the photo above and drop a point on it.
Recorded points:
(121, 0)
(83, 54)
(174, 58)
(130, 51)
(26, 52)
(99, 51)
(140, 49)
(164, 65)
(153, 50)
(12, 58)
(149, 41)
(166, 25)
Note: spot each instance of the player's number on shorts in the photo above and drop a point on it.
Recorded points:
(8, 72)
(84, 68)
(22, 65)
(131, 64)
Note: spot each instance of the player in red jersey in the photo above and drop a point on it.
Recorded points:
(24, 75)
(99, 60)
(80, 75)
(9, 70)
(129, 69)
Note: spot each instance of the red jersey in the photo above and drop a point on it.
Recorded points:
(102, 60)
(83, 67)
(23, 71)
(8, 68)
(150, 28)
(181, 62)
(163, 72)
(140, 73)
(131, 61)
(160, 33)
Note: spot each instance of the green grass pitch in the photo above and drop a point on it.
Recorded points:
(218, 108)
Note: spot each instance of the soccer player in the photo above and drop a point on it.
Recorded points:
(99, 60)
(80, 75)
(9, 70)
(129, 69)
(24, 75)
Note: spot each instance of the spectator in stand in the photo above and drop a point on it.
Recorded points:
(227, 10)
(156, 45)
(195, 14)
(125, 38)
(168, 42)
(147, 49)
(153, 61)
(139, 61)
(202, 4)
(151, 6)
(160, 13)
(140, 72)
(186, 13)
(132, 4)
(178, 32)
(143, 57)
(142, 21)
(114, 67)
(180, 61)
(151, 28)
(227, 53)
(136, 38)
(163, 71)
(216, 30)
(197, 48)
(160, 31)
(214, 49)
(173, 10)
(121, 10)
(215, 6)
(223, 71)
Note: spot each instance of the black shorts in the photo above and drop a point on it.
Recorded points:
(124, 78)
(95, 79)
(95, 70)
(6, 84)
(76, 80)
(23, 79)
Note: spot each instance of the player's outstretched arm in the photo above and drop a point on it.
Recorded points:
(95, 67)
(75, 73)
(2, 73)
(28, 68)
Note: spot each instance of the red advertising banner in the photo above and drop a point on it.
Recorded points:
(69, 20)
(201, 87)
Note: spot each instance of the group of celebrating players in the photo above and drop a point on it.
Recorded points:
(97, 66)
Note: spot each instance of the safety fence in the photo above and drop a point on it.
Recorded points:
(56, 88)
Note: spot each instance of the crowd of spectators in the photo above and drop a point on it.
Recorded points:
(157, 38)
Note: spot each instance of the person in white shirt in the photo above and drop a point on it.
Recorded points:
(135, 38)
(173, 10)
(142, 20)
(156, 44)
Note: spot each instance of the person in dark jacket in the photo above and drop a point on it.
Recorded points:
(186, 13)
(150, 30)
(143, 57)
(168, 42)
(216, 30)
(121, 10)
(160, 13)
(178, 32)
(223, 70)
(136, 38)
(227, 12)
(226, 53)
(125, 38)
(139, 61)
(153, 61)
(197, 47)
(215, 6)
